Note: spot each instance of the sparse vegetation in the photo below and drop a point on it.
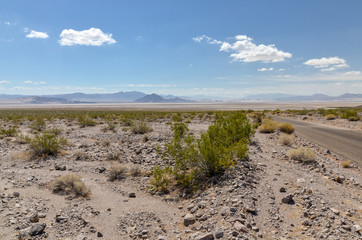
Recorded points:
(135, 171)
(86, 121)
(330, 117)
(302, 154)
(46, 144)
(286, 128)
(196, 160)
(10, 132)
(346, 163)
(141, 128)
(117, 172)
(38, 124)
(70, 184)
(286, 139)
(268, 126)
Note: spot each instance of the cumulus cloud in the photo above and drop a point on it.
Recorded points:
(244, 50)
(3, 82)
(90, 37)
(265, 69)
(35, 83)
(28, 82)
(35, 34)
(327, 64)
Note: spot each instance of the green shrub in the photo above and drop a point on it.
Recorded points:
(141, 128)
(47, 144)
(225, 141)
(38, 124)
(86, 121)
(10, 132)
(286, 128)
(268, 126)
(70, 184)
(161, 178)
(353, 119)
(302, 154)
(351, 115)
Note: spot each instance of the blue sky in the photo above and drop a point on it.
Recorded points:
(227, 49)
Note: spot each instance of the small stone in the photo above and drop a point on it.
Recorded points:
(207, 236)
(37, 229)
(255, 229)
(102, 169)
(33, 218)
(16, 194)
(240, 227)
(339, 179)
(99, 234)
(287, 199)
(282, 189)
(189, 219)
(60, 167)
(132, 195)
(335, 211)
(356, 228)
(218, 233)
(300, 181)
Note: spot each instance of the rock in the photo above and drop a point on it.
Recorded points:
(189, 219)
(287, 199)
(335, 211)
(282, 189)
(300, 181)
(61, 219)
(33, 218)
(34, 230)
(240, 227)
(99, 234)
(356, 228)
(102, 169)
(60, 167)
(16, 194)
(218, 233)
(339, 179)
(207, 236)
(132, 195)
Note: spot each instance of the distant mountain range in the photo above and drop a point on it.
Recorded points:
(74, 98)
(315, 97)
(139, 97)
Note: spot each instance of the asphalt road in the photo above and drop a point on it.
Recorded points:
(344, 142)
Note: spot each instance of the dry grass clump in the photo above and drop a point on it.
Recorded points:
(114, 156)
(346, 164)
(302, 154)
(135, 172)
(117, 172)
(70, 184)
(268, 126)
(286, 139)
(330, 117)
(286, 128)
(141, 128)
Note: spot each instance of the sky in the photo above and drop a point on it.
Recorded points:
(206, 48)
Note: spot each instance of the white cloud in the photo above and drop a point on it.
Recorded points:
(35, 83)
(35, 34)
(281, 70)
(28, 82)
(352, 73)
(244, 50)
(7, 23)
(90, 37)
(265, 69)
(4, 82)
(327, 64)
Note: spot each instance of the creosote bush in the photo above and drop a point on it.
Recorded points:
(117, 172)
(268, 126)
(346, 164)
(86, 121)
(196, 160)
(286, 139)
(45, 144)
(302, 154)
(286, 128)
(70, 184)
